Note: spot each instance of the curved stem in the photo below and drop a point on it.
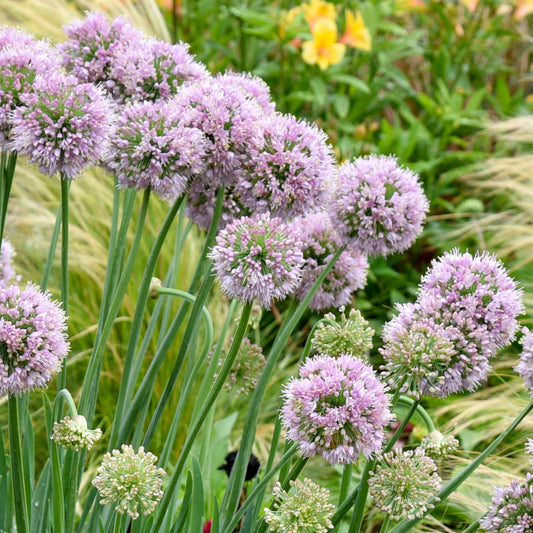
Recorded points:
(424, 415)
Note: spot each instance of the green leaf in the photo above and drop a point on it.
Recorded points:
(341, 103)
(197, 503)
(319, 90)
(352, 81)
(180, 521)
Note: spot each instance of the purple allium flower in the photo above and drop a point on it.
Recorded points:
(150, 147)
(93, 45)
(231, 122)
(417, 353)
(18, 68)
(7, 272)
(32, 339)
(294, 171)
(511, 510)
(320, 241)
(379, 206)
(475, 303)
(525, 366)
(257, 259)
(62, 126)
(474, 293)
(337, 408)
(153, 70)
(403, 484)
(254, 88)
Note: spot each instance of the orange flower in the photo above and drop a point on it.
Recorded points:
(356, 33)
(317, 10)
(323, 50)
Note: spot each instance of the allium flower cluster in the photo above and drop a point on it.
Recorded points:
(62, 126)
(405, 484)
(19, 66)
(319, 243)
(257, 259)
(511, 510)
(32, 339)
(246, 368)
(438, 446)
(131, 480)
(92, 47)
(304, 509)
(337, 408)
(7, 272)
(10, 36)
(151, 147)
(343, 335)
(417, 353)
(153, 70)
(468, 301)
(73, 433)
(293, 172)
(525, 366)
(379, 207)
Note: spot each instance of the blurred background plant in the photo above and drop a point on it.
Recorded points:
(419, 79)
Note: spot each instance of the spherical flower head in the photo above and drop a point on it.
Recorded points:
(337, 408)
(73, 433)
(379, 207)
(511, 510)
(131, 480)
(405, 484)
(154, 70)
(439, 446)
(151, 147)
(7, 272)
(320, 241)
(231, 122)
(246, 368)
(474, 293)
(525, 366)
(257, 259)
(293, 171)
(19, 66)
(62, 126)
(417, 353)
(304, 509)
(92, 46)
(253, 88)
(33, 341)
(350, 335)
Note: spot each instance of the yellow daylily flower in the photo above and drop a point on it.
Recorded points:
(356, 33)
(317, 10)
(287, 19)
(323, 50)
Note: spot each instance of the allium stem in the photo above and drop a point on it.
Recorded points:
(422, 413)
(345, 484)
(196, 425)
(360, 501)
(385, 525)
(47, 270)
(474, 526)
(401, 427)
(18, 476)
(233, 490)
(65, 186)
(406, 525)
(7, 171)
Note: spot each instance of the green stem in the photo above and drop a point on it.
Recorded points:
(65, 186)
(360, 501)
(7, 171)
(193, 431)
(236, 480)
(260, 487)
(474, 526)
(18, 477)
(406, 525)
(47, 270)
(399, 430)
(422, 413)
(385, 526)
(345, 484)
